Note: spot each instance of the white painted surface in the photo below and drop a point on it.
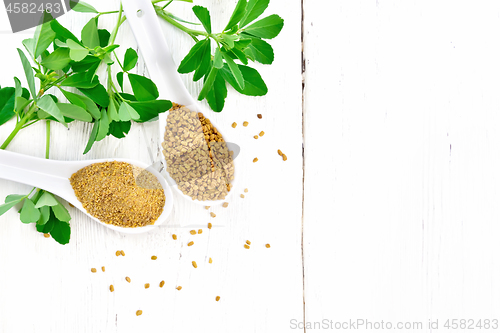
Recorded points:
(400, 213)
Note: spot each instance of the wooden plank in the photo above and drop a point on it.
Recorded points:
(402, 205)
(260, 288)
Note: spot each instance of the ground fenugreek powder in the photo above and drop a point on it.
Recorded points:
(109, 191)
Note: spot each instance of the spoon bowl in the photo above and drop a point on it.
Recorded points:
(53, 176)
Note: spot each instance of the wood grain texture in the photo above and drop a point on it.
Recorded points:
(46, 287)
(401, 161)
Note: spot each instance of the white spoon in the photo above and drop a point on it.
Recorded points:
(53, 176)
(161, 67)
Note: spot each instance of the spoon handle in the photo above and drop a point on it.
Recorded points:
(144, 23)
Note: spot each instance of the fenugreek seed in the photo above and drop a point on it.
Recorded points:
(46, 235)
(162, 283)
(248, 242)
(127, 279)
(242, 195)
(103, 268)
(245, 190)
(212, 214)
(194, 264)
(154, 257)
(111, 288)
(256, 137)
(174, 236)
(246, 246)
(71, 205)
(245, 123)
(146, 286)
(259, 116)
(209, 260)
(207, 207)
(122, 253)
(255, 159)
(118, 253)
(190, 243)
(280, 153)
(268, 245)
(217, 298)
(200, 231)
(93, 270)
(193, 232)
(261, 133)
(284, 157)
(225, 204)
(179, 288)
(138, 312)
(210, 226)
(234, 125)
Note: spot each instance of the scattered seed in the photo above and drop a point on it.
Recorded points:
(194, 264)
(174, 236)
(217, 298)
(225, 204)
(111, 288)
(103, 268)
(212, 214)
(207, 207)
(179, 288)
(190, 243)
(118, 253)
(210, 226)
(280, 153)
(259, 116)
(128, 279)
(154, 257)
(162, 283)
(242, 195)
(245, 190)
(71, 205)
(245, 123)
(193, 232)
(248, 242)
(261, 133)
(46, 235)
(146, 285)
(255, 159)
(246, 246)
(255, 137)
(284, 157)
(200, 231)
(234, 125)
(138, 313)
(268, 245)
(93, 270)
(122, 253)
(209, 260)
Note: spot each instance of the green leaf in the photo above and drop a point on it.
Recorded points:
(254, 9)
(118, 129)
(82, 7)
(73, 98)
(90, 36)
(237, 15)
(11, 201)
(57, 60)
(44, 36)
(103, 37)
(193, 59)
(127, 112)
(254, 85)
(7, 103)
(61, 213)
(47, 199)
(103, 126)
(98, 94)
(28, 71)
(130, 60)
(150, 109)
(92, 137)
(44, 215)
(85, 64)
(76, 51)
(47, 226)
(74, 112)
(242, 43)
(18, 87)
(61, 32)
(144, 89)
(29, 45)
(229, 40)
(204, 66)
(61, 232)
(29, 214)
(80, 80)
(262, 51)
(20, 104)
(218, 63)
(91, 107)
(112, 112)
(234, 70)
(208, 83)
(217, 95)
(240, 55)
(204, 16)
(119, 78)
(47, 104)
(267, 28)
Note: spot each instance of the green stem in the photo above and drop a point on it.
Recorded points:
(118, 60)
(165, 6)
(18, 127)
(111, 12)
(47, 139)
(120, 21)
(176, 24)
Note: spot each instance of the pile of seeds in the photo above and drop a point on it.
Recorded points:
(197, 156)
(109, 192)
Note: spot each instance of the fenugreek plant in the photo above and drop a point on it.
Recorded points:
(57, 60)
